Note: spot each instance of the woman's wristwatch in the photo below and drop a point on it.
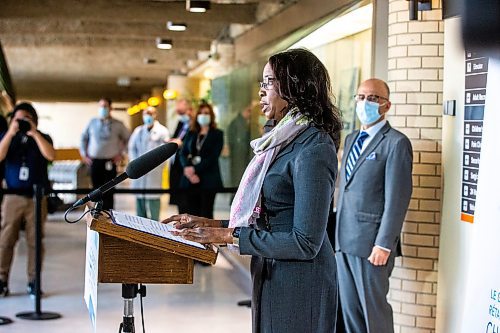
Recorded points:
(236, 236)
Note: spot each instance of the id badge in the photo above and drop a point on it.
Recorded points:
(108, 166)
(24, 173)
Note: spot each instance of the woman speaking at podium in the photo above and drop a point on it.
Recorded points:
(280, 211)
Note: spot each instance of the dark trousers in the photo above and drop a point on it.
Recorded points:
(363, 290)
(100, 175)
(198, 204)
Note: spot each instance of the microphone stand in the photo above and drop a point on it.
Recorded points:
(129, 292)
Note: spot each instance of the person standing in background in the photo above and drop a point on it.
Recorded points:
(145, 138)
(238, 140)
(375, 190)
(102, 146)
(26, 152)
(199, 158)
(184, 110)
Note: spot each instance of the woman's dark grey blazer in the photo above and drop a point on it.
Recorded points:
(293, 264)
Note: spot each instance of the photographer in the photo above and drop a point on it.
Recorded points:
(26, 152)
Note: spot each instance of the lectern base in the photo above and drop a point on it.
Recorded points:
(38, 316)
(5, 321)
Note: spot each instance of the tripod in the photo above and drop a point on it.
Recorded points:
(129, 292)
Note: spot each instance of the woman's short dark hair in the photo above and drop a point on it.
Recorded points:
(303, 81)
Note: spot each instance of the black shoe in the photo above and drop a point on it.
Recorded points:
(4, 289)
(32, 290)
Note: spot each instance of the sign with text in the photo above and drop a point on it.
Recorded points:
(91, 271)
(482, 308)
(476, 77)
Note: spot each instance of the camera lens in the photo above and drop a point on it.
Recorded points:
(24, 126)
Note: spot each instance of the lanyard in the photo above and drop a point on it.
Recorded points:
(199, 143)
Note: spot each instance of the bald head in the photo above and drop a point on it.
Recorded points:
(374, 90)
(183, 106)
(376, 87)
(150, 110)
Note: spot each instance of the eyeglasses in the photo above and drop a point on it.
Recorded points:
(369, 98)
(266, 84)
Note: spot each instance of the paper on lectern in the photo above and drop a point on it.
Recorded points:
(149, 226)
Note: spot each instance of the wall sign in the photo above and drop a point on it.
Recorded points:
(476, 75)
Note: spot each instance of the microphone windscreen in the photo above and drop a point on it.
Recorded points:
(150, 160)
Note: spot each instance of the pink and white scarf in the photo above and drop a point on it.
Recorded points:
(245, 208)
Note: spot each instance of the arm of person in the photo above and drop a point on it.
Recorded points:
(44, 143)
(133, 151)
(185, 150)
(314, 183)
(84, 141)
(7, 139)
(123, 135)
(398, 189)
(214, 153)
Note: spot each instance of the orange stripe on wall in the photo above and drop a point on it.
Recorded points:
(467, 218)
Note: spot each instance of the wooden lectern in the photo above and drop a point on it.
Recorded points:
(131, 256)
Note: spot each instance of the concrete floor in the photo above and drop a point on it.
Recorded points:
(209, 305)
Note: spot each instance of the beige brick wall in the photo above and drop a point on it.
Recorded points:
(415, 72)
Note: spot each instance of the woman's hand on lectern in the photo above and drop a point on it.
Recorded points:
(186, 221)
(206, 235)
(200, 229)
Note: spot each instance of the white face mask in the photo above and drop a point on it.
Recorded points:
(203, 119)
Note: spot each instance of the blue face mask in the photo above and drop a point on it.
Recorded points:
(148, 119)
(184, 118)
(367, 112)
(103, 112)
(203, 119)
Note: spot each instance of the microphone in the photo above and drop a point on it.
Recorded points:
(135, 169)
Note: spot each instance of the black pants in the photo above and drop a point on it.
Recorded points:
(198, 204)
(100, 176)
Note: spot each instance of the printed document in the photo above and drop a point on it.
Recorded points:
(151, 227)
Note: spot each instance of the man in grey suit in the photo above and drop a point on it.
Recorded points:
(375, 190)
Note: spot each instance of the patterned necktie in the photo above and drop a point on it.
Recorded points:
(354, 154)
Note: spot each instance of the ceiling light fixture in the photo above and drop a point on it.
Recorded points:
(175, 26)
(163, 44)
(153, 101)
(197, 6)
(170, 94)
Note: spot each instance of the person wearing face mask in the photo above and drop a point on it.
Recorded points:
(199, 158)
(102, 146)
(184, 111)
(145, 138)
(375, 190)
(280, 211)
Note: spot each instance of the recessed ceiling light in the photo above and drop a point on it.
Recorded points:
(164, 44)
(197, 6)
(174, 26)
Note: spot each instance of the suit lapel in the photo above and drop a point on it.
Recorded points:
(371, 147)
(348, 146)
